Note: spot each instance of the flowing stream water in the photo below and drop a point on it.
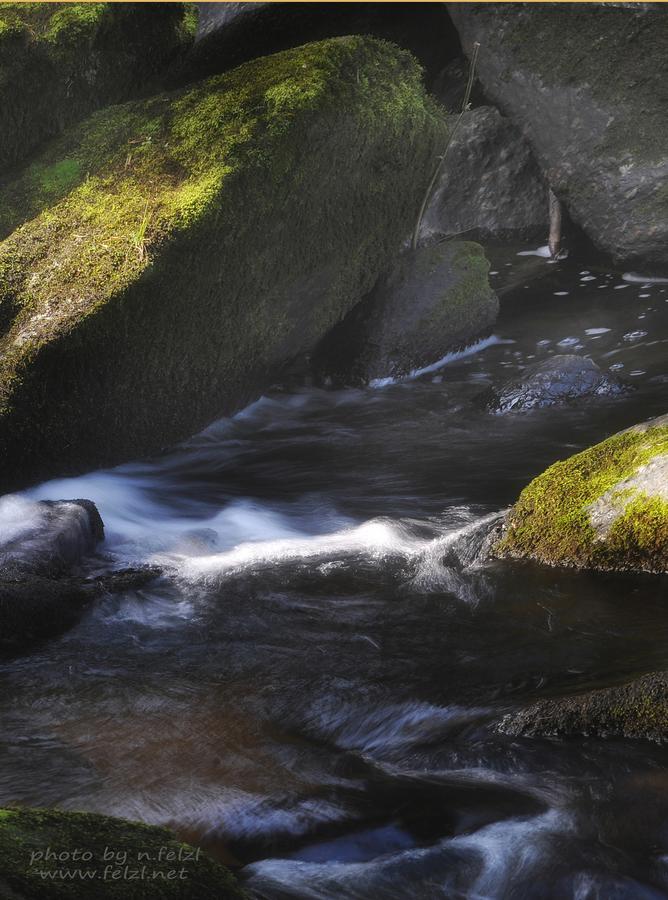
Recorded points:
(311, 690)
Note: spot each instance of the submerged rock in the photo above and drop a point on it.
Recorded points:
(559, 379)
(638, 709)
(37, 846)
(586, 84)
(491, 184)
(605, 508)
(434, 299)
(59, 62)
(210, 236)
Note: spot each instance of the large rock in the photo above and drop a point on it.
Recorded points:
(232, 33)
(59, 62)
(47, 537)
(50, 854)
(555, 381)
(605, 508)
(40, 544)
(433, 300)
(586, 83)
(638, 709)
(490, 184)
(201, 240)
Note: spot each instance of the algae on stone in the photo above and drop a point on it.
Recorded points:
(49, 854)
(605, 508)
(59, 62)
(165, 258)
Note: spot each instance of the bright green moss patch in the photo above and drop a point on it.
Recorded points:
(61, 61)
(49, 854)
(551, 522)
(166, 257)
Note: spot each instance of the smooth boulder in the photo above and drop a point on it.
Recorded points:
(490, 185)
(432, 300)
(586, 85)
(60, 62)
(605, 508)
(206, 238)
(53, 853)
(638, 709)
(555, 381)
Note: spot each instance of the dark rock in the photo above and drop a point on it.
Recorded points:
(449, 86)
(47, 537)
(490, 184)
(638, 709)
(557, 380)
(232, 33)
(586, 84)
(33, 607)
(435, 299)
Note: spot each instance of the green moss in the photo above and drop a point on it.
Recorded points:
(551, 523)
(195, 224)
(50, 854)
(71, 58)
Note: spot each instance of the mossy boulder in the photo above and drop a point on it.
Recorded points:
(638, 709)
(433, 300)
(586, 84)
(605, 508)
(59, 62)
(163, 260)
(47, 854)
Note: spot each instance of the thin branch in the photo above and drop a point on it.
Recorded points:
(437, 172)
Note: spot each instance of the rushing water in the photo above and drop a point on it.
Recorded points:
(310, 690)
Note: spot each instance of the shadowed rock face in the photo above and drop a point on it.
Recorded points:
(586, 84)
(560, 379)
(638, 709)
(605, 508)
(490, 184)
(232, 33)
(434, 300)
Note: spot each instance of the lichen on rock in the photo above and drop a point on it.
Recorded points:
(50, 853)
(605, 508)
(59, 62)
(196, 241)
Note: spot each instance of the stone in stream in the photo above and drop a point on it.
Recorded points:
(59, 63)
(605, 508)
(638, 709)
(557, 380)
(101, 852)
(211, 236)
(433, 300)
(490, 185)
(585, 83)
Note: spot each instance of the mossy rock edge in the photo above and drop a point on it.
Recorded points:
(59, 62)
(165, 259)
(605, 508)
(50, 854)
